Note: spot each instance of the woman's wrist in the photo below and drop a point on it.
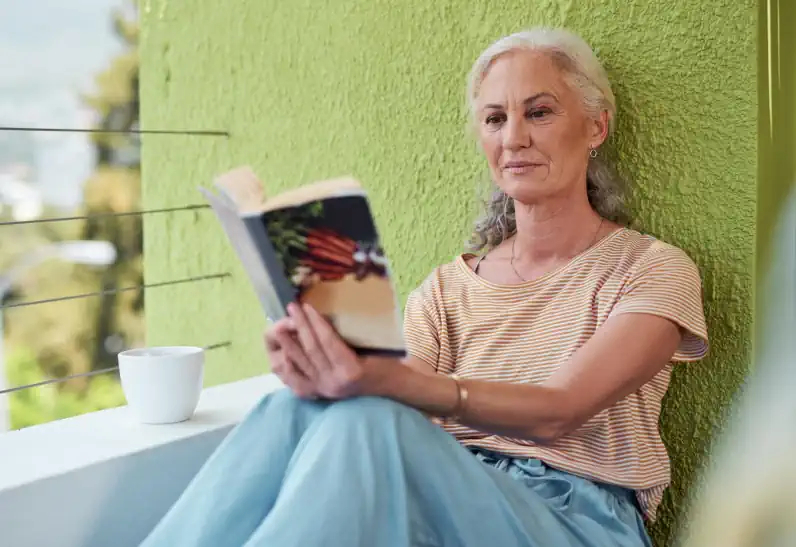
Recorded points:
(378, 373)
(435, 394)
(462, 399)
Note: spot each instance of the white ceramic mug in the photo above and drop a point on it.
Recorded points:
(162, 384)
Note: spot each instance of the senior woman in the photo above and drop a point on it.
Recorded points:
(526, 412)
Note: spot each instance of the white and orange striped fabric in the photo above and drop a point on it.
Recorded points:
(458, 322)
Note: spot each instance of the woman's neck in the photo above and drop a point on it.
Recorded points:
(555, 231)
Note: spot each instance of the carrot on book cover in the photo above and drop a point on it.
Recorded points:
(333, 256)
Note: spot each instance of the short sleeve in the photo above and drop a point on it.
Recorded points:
(666, 283)
(421, 325)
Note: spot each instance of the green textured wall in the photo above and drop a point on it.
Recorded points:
(310, 89)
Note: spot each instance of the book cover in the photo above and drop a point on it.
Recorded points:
(319, 245)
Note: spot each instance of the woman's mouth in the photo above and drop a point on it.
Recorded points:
(519, 167)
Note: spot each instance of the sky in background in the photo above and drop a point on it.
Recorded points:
(50, 52)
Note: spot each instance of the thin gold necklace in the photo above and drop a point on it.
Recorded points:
(514, 241)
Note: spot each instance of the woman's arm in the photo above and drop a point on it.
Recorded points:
(624, 354)
(418, 365)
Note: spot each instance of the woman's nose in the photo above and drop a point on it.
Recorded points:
(516, 134)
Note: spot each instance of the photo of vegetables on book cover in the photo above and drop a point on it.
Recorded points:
(319, 245)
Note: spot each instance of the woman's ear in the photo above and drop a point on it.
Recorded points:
(600, 129)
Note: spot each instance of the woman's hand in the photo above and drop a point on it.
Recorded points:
(279, 341)
(312, 360)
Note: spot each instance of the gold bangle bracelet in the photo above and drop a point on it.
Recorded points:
(462, 396)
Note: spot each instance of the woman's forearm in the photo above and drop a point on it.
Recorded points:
(527, 411)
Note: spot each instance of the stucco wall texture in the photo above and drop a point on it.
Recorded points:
(374, 88)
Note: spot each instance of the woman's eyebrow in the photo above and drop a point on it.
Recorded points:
(534, 98)
(529, 100)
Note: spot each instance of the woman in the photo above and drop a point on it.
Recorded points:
(541, 362)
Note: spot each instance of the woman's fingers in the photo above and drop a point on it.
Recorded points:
(347, 370)
(294, 379)
(295, 355)
(336, 350)
(291, 376)
(311, 357)
(273, 333)
(312, 347)
(283, 351)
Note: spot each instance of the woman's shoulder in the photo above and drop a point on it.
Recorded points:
(446, 282)
(444, 272)
(637, 252)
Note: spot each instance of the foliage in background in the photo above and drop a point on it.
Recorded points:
(115, 188)
(48, 403)
(75, 336)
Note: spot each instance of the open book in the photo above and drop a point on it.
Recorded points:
(316, 244)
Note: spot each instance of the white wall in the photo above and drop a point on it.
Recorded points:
(101, 480)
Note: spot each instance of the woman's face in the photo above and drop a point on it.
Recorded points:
(533, 129)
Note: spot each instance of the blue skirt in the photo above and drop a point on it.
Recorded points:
(369, 472)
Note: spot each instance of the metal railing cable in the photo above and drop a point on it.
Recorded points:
(117, 290)
(93, 216)
(199, 132)
(90, 373)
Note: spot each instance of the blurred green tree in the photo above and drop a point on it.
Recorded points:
(47, 403)
(115, 189)
(76, 336)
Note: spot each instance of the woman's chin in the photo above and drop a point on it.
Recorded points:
(524, 189)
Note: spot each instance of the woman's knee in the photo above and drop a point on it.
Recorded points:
(282, 397)
(285, 407)
(283, 402)
(376, 410)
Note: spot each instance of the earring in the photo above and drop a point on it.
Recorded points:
(592, 152)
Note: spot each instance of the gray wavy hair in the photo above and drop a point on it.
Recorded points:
(586, 75)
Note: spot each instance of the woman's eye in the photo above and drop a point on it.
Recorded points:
(494, 119)
(538, 113)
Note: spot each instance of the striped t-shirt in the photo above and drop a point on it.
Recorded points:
(459, 322)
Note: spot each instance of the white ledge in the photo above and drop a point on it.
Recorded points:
(102, 478)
